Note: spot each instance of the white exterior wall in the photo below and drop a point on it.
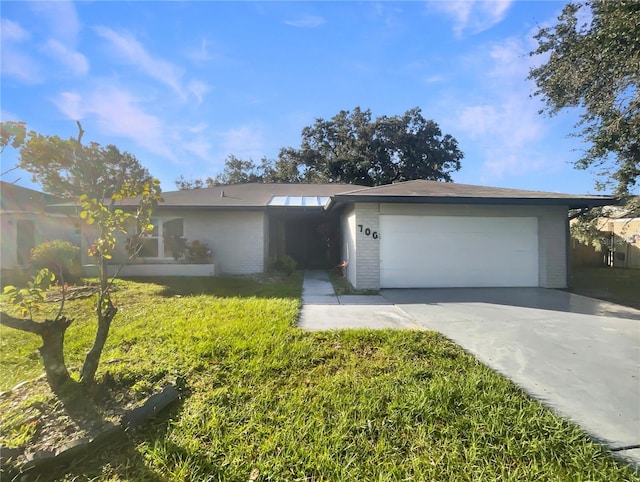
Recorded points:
(552, 236)
(367, 246)
(237, 238)
(46, 228)
(348, 229)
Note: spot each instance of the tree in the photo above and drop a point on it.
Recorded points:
(353, 148)
(236, 171)
(67, 168)
(595, 66)
(109, 218)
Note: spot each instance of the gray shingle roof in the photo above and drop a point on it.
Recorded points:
(423, 191)
(258, 195)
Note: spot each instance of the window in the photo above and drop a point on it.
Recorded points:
(164, 240)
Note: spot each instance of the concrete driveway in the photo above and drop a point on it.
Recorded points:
(578, 355)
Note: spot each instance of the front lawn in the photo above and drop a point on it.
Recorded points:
(268, 401)
(618, 285)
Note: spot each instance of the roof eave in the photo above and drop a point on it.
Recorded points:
(571, 203)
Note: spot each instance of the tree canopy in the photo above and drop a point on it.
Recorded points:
(352, 148)
(594, 65)
(68, 168)
(97, 179)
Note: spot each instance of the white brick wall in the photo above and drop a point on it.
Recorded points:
(237, 238)
(348, 253)
(552, 260)
(367, 246)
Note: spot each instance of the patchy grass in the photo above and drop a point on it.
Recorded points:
(268, 401)
(618, 285)
(341, 286)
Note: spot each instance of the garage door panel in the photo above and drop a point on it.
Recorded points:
(457, 251)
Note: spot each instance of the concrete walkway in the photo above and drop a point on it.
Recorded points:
(323, 310)
(578, 355)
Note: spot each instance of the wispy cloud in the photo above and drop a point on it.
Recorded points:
(20, 66)
(246, 141)
(504, 123)
(11, 31)
(198, 89)
(132, 52)
(473, 16)
(62, 19)
(74, 61)
(119, 113)
(306, 21)
(201, 53)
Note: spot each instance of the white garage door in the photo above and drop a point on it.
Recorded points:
(457, 251)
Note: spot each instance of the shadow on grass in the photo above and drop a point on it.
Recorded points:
(120, 458)
(259, 286)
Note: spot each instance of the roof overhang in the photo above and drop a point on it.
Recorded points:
(569, 201)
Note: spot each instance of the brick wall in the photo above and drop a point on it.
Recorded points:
(367, 246)
(237, 238)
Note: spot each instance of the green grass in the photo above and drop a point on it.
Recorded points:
(618, 285)
(341, 286)
(264, 396)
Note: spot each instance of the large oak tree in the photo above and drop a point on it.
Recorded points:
(593, 63)
(353, 148)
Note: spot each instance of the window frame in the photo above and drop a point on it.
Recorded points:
(159, 222)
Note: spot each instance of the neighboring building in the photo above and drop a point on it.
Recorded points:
(24, 224)
(410, 234)
(624, 247)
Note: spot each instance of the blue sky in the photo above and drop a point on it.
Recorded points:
(181, 85)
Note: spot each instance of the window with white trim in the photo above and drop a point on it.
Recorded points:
(164, 240)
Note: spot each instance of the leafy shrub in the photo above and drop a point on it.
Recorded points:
(197, 252)
(285, 264)
(60, 257)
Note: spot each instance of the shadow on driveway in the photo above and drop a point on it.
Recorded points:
(538, 298)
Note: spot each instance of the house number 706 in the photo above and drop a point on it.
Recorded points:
(368, 232)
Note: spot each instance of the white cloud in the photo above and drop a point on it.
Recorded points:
(62, 17)
(117, 113)
(133, 52)
(246, 141)
(200, 147)
(19, 66)
(68, 57)
(198, 89)
(11, 31)
(503, 121)
(306, 21)
(473, 16)
(201, 53)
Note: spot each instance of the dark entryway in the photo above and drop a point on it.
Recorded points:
(311, 238)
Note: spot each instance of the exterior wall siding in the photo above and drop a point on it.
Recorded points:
(348, 252)
(367, 222)
(552, 237)
(46, 228)
(237, 239)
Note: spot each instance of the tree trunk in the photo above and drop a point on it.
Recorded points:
(52, 352)
(91, 361)
(52, 334)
